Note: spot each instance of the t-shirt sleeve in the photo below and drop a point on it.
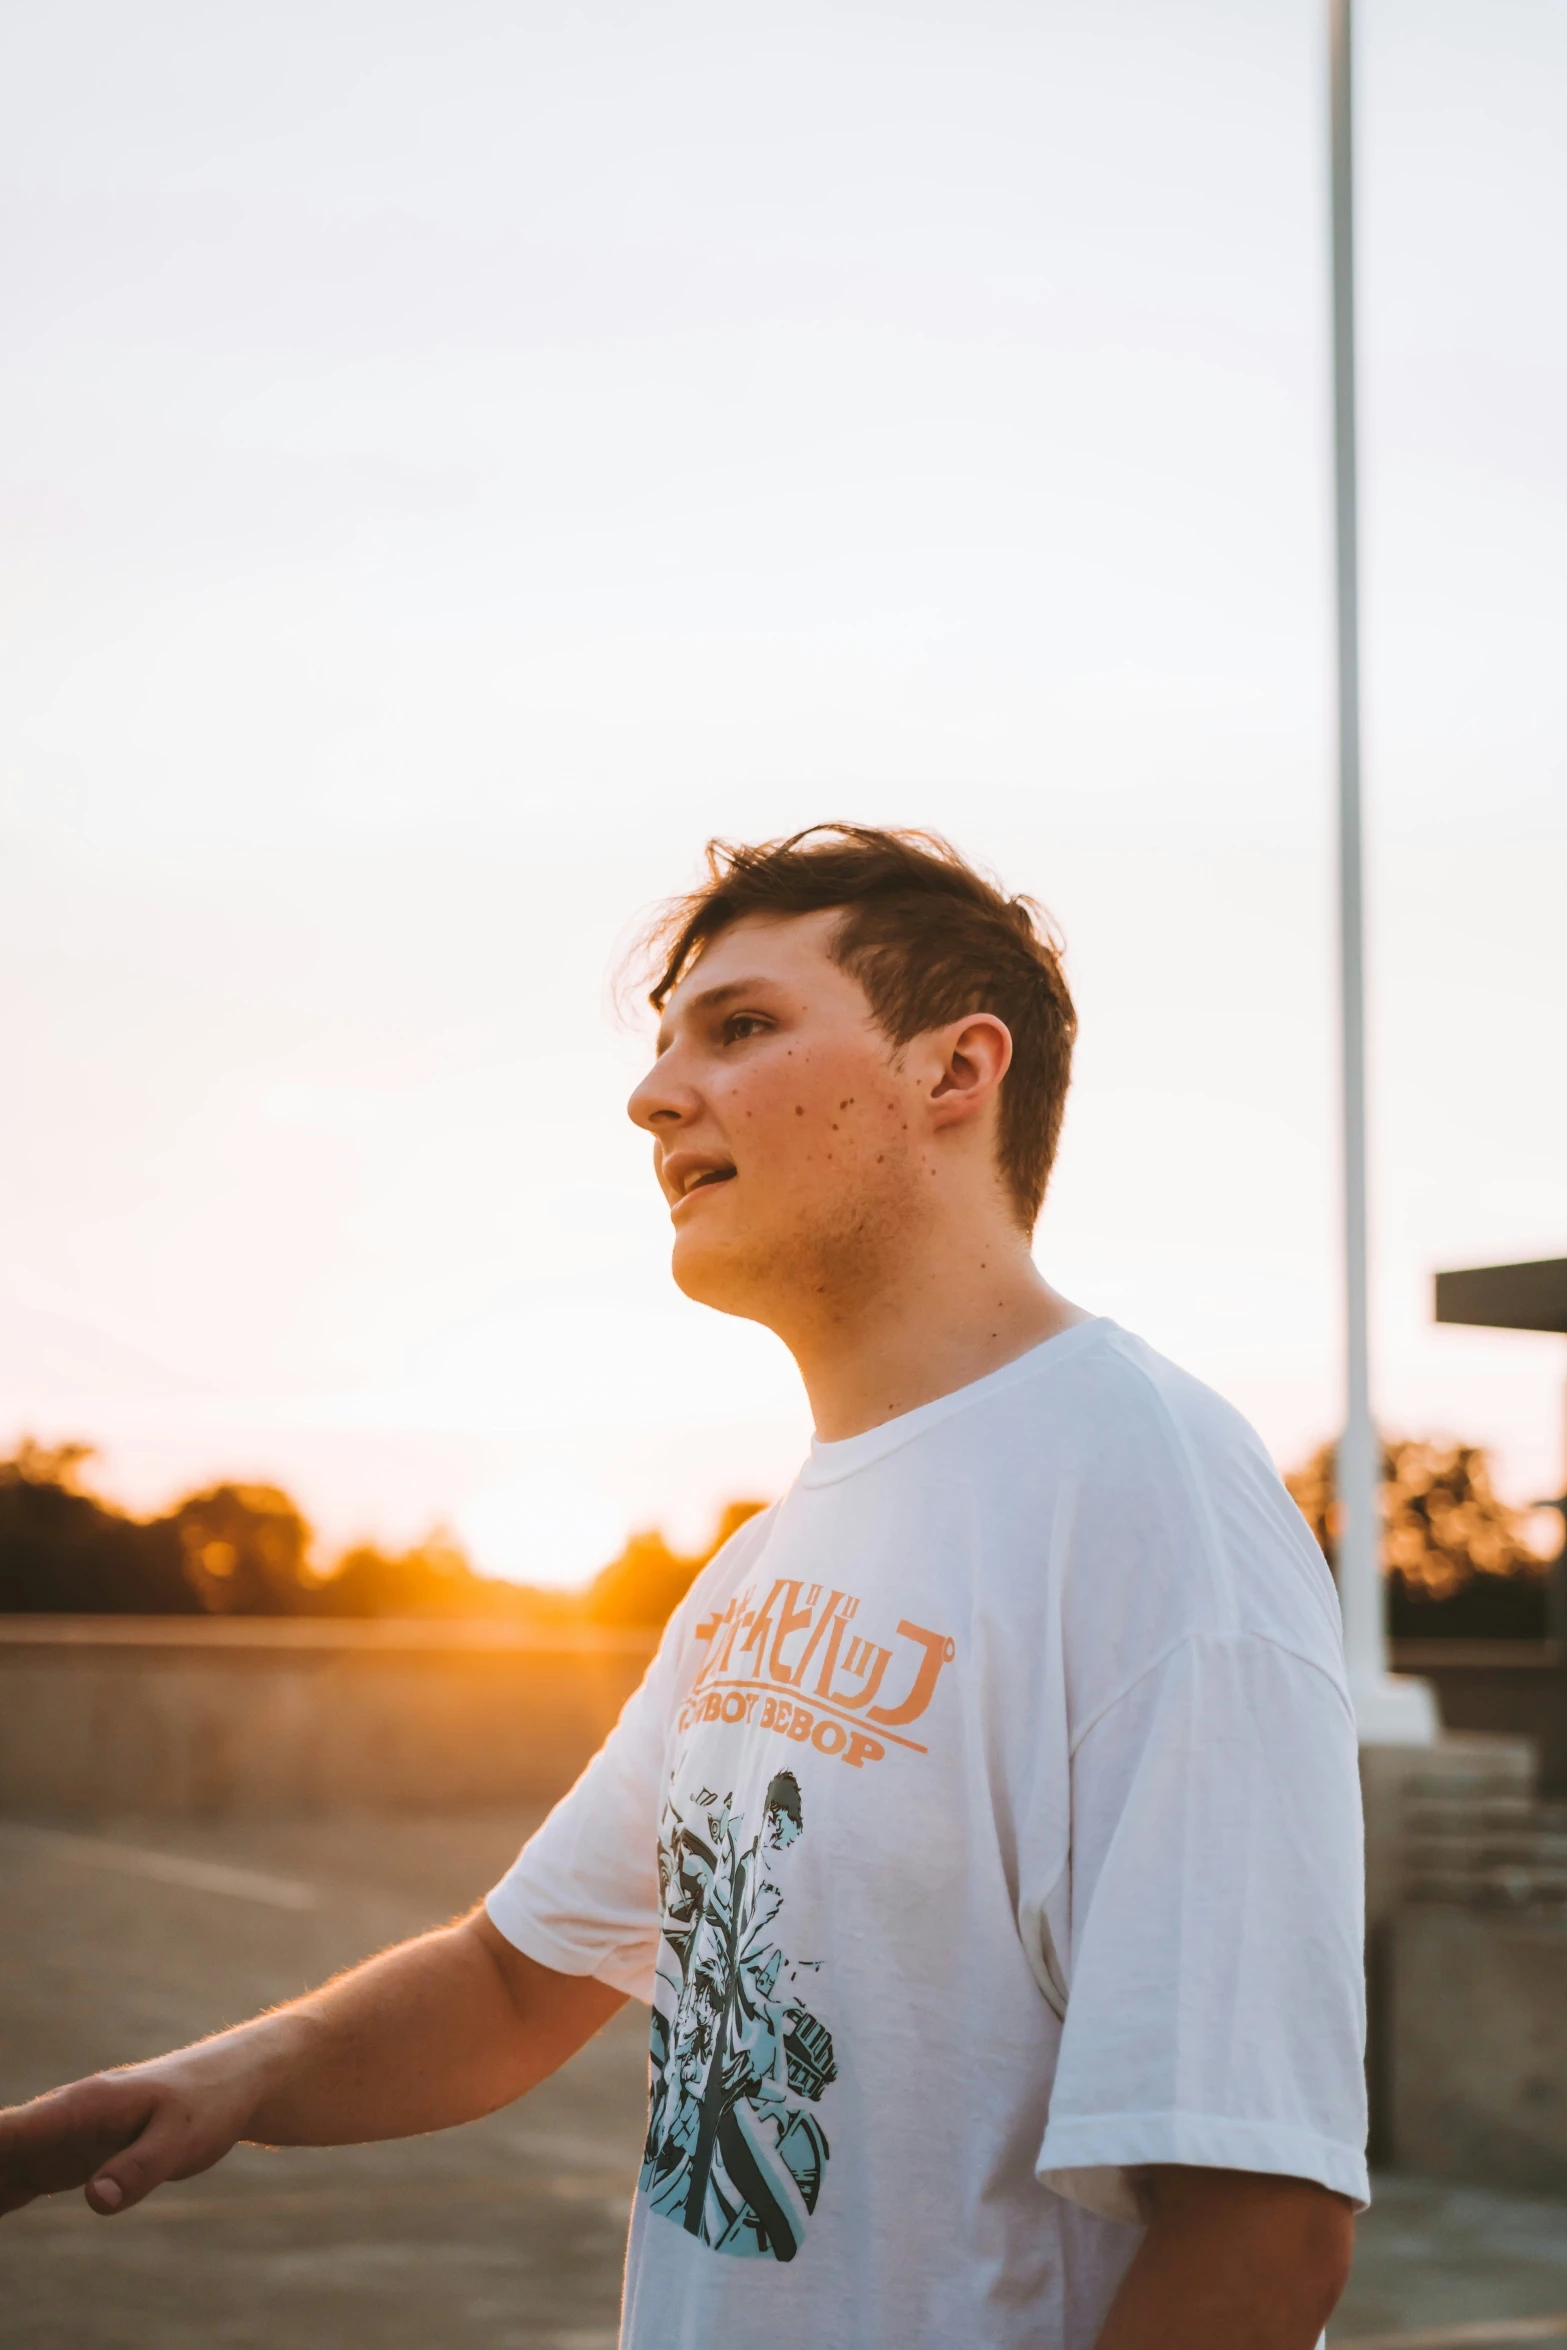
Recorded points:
(1210, 1926)
(582, 1896)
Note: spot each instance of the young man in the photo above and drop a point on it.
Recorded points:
(985, 1836)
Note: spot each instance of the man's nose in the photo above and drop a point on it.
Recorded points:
(662, 1100)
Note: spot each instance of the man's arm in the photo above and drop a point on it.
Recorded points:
(433, 2032)
(1233, 2260)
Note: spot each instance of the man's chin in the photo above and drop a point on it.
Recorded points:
(713, 1275)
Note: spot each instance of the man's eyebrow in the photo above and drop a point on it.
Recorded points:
(712, 999)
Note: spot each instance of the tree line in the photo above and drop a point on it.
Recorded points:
(248, 1550)
(1456, 1558)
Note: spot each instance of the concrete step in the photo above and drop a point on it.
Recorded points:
(1485, 1848)
(1474, 1834)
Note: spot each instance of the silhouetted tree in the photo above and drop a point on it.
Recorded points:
(62, 1551)
(1454, 1556)
(246, 1550)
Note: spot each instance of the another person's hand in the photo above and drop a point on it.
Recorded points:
(120, 2134)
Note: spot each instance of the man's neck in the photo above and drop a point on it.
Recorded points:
(963, 1312)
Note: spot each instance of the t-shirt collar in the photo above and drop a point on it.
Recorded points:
(849, 1454)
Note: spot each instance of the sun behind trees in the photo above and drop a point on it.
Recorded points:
(246, 1550)
(1457, 1559)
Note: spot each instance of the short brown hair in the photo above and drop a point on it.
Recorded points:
(927, 937)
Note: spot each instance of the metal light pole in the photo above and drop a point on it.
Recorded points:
(1388, 1711)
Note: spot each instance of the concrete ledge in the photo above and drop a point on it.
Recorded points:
(331, 1635)
(1515, 1687)
(208, 1717)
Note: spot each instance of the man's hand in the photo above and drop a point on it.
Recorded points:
(1233, 2260)
(434, 2032)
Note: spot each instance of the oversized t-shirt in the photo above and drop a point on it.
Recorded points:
(985, 1830)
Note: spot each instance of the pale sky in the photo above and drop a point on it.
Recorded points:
(456, 457)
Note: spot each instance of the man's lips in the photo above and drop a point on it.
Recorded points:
(687, 1174)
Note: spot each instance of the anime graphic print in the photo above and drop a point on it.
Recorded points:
(735, 2151)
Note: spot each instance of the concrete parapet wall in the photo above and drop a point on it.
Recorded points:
(212, 1716)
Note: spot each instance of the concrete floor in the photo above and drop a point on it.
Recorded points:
(506, 2235)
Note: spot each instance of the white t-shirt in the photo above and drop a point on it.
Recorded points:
(987, 1828)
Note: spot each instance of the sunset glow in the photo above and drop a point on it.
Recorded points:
(446, 486)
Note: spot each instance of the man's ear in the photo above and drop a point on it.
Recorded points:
(971, 1056)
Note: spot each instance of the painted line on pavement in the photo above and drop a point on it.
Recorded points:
(1495, 2330)
(163, 1868)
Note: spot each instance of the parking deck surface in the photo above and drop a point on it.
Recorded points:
(506, 2235)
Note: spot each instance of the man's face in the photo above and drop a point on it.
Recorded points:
(785, 1132)
(782, 1831)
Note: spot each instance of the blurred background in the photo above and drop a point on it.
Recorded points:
(454, 461)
